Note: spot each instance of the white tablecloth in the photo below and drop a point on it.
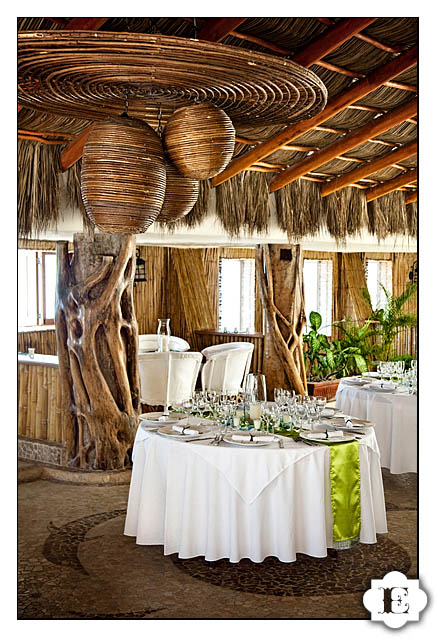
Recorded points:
(395, 419)
(233, 502)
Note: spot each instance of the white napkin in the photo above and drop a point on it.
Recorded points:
(383, 385)
(324, 435)
(246, 438)
(180, 428)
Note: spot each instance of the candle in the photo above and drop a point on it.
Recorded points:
(256, 424)
(286, 418)
(255, 411)
(239, 413)
(236, 421)
(164, 343)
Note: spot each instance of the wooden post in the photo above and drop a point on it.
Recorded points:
(97, 341)
(279, 271)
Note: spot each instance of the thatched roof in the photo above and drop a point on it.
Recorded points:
(300, 208)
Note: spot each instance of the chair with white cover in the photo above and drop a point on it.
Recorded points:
(149, 343)
(167, 378)
(226, 367)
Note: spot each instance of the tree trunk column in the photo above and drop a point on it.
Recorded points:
(280, 278)
(97, 341)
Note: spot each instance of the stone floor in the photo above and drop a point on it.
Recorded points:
(75, 563)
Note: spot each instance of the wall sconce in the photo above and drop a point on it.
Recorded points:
(140, 268)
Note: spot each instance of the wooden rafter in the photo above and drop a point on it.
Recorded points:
(412, 197)
(215, 29)
(369, 168)
(330, 40)
(85, 24)
(349, 141)
(73, 152)
(336, 105)
(391, 185)
(368, 39)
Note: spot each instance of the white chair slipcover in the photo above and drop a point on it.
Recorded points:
(226, 367)
(149, 343)
(167, 378)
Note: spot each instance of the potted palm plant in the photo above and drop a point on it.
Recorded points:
(391, 318)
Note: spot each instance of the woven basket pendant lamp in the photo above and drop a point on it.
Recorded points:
(123, 175)
(181, 194)
(199, 140)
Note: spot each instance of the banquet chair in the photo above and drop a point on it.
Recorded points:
(167, 378)
(226, 367)
(149, 343)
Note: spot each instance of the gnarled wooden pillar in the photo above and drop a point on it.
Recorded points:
(280, 277)
(97, 341)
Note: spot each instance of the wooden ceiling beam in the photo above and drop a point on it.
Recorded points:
(409, 199)
(47, 133)
(372, 167)
(335, 105)
(85, 24)
(35, 138)
(368, 39)
(215, 29)
(331, 39)
(73, 152)
(349, 141)
(391, 185)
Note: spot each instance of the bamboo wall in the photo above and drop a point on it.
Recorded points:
(164, 292)
(39, 402)
(44, 341)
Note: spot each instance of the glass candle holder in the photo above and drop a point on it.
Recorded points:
(163, 335)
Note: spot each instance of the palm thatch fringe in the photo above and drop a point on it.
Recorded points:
(346, 213)
(73, 193)
(300, 209)
(412, 219)
(387, 215)
(38, 187)
(242, 204)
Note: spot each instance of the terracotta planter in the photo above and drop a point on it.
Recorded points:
(326, 389)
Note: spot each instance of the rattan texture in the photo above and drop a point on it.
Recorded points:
(123, 176)
(200, 140)
(181, 194)
(87, 74)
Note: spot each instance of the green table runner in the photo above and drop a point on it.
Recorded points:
(344, 475)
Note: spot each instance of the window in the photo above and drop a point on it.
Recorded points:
(237, 295)
(317, 281)
(378, 271)
(36, 287)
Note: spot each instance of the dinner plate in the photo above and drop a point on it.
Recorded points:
(329, 413)
(167, 430)
(356, 423)
(355, 381)
(386, 387)
(151, 419)
(228, 439)
(346, 438)
(371, 374)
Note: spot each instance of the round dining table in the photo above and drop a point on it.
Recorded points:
(394, 416)
(226, 501)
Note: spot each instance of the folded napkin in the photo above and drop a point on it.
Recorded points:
(383, 385)
(245, 438)
(182, 430)
(325, 435)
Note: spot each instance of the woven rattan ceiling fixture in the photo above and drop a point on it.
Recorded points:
(86, 74)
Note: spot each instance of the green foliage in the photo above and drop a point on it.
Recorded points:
(391, 318)
(335, 359)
